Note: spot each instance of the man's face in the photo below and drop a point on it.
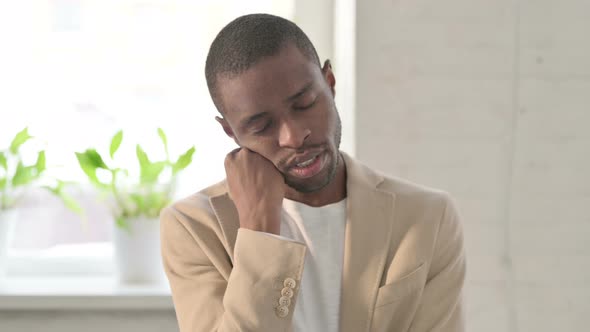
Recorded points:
(283, 109)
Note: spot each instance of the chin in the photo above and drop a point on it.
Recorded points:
(316, 183)
(308, 187)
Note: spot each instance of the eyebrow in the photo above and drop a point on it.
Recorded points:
(298, 94)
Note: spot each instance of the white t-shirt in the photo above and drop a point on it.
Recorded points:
(321, 229)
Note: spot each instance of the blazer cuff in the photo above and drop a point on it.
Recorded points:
(280, 237)
(265, 267)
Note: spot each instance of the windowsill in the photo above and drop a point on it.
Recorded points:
(81, 293)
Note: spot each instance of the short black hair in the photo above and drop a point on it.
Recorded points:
(246, 40)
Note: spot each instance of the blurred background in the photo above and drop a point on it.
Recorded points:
(487, 99)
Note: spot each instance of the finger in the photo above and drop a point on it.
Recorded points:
(230, 157)
(232, 154)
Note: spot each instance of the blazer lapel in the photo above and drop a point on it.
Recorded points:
(366, 244)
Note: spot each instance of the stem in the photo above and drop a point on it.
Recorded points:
(4, 202)
(116, 193)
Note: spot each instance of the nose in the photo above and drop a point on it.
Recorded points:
(292, 134)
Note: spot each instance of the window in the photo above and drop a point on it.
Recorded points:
(75, 72)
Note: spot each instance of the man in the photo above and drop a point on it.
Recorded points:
(300, 236)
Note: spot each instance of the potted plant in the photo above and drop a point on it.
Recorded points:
(15, 177)
(136, 202)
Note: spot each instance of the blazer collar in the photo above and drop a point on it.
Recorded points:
(369, 224)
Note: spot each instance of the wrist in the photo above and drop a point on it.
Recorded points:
(262, 222)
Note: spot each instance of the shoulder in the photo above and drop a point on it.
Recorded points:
(190, 232)
(414, 194)
(413, 200)
(361, 175)
(194, 211)
(199, 200)
(416, 205)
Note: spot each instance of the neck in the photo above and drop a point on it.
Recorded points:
(334, 192)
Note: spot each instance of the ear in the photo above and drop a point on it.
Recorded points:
(329, 76)
(226, 128)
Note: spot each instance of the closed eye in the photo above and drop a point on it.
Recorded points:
(305, 107)
(263, 129)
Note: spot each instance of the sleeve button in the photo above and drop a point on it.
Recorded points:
(284, 301)
(290, 282)
(288, 292)
(282, 311)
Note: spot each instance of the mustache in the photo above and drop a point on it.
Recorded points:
(284, 162)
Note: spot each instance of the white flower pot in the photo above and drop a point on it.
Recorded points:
(7, 224)
(137, 251)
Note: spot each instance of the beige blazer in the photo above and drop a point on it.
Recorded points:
(404, 262)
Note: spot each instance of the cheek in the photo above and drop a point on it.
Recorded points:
(325, 121)
(264, 146)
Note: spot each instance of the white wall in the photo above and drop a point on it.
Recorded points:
(490, 100)
(329, 24)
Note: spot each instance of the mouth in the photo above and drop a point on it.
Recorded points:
(306, 168)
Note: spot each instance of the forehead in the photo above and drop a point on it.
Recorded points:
(268, 83)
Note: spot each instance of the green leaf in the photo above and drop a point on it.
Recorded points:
(149, 172)
(40, 165)
(51, 189)
(68, 200)
(138, 200)
(183, 161)
(155, 202)
(164, 140)
(116, 142)
(89, 166)
(95, 158)
(70, 203)
(19, 140)
(141, 156)
(122, 223)
(24, 175)
(2, 183)
(3, 161)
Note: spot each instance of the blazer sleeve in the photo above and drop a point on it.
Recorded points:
(253, 298)
(441, 308)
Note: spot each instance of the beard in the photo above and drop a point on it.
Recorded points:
(328, 173)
